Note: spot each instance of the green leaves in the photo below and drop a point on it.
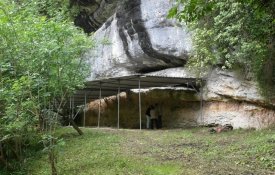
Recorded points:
(232, 34)
(191, 10)
(172, 12)
(41, 56)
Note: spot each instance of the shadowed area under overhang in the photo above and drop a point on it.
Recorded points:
(106, 87)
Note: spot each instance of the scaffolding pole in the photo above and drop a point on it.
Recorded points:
(139, 103)
(73, 107)
(84, 110)
(118, 103)
(201, 105)
(99, 111)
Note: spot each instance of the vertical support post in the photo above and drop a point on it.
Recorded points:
(84, 110)
(118, 103)
(201, 104)
(73, 108)
(99, 110)
(139, 103)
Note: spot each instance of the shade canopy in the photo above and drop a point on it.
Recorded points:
(109, 86)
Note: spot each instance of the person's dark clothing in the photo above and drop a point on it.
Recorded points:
(159, 122)
(148, 111)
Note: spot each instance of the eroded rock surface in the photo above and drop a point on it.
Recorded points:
(232, 99)
(222, 84)
(134, 36)
(139, 38)
(93, 13)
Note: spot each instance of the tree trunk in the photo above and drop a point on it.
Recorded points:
(72, 122)
(52, 159)
(75, 126)
(3, 159)
(17, 150)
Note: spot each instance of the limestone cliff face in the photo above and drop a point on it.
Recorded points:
(138, 38)
(134, 36)
(230, 98)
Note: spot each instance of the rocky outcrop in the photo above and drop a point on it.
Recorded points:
(238, 114)
(93, 13)
(134, 36)
(232, 99)
(222, 84)
(138, 38)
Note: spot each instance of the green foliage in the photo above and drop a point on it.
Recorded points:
(232, 34)
(61, 10)
(41, 65)
(191, 10)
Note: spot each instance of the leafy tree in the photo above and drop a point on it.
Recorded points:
(232, 34)
(41, 65)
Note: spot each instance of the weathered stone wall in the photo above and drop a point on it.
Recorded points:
(175, 111)
(235, 100)
(238, 114)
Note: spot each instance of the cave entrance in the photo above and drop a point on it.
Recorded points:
(98, 90)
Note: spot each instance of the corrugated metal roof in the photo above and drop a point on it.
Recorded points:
(109, 86)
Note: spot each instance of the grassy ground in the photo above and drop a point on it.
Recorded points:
(181, 151)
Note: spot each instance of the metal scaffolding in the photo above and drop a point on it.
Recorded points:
(114, 86)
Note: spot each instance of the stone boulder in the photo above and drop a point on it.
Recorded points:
(138, 38)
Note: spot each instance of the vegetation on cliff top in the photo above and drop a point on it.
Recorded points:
(233, 34)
